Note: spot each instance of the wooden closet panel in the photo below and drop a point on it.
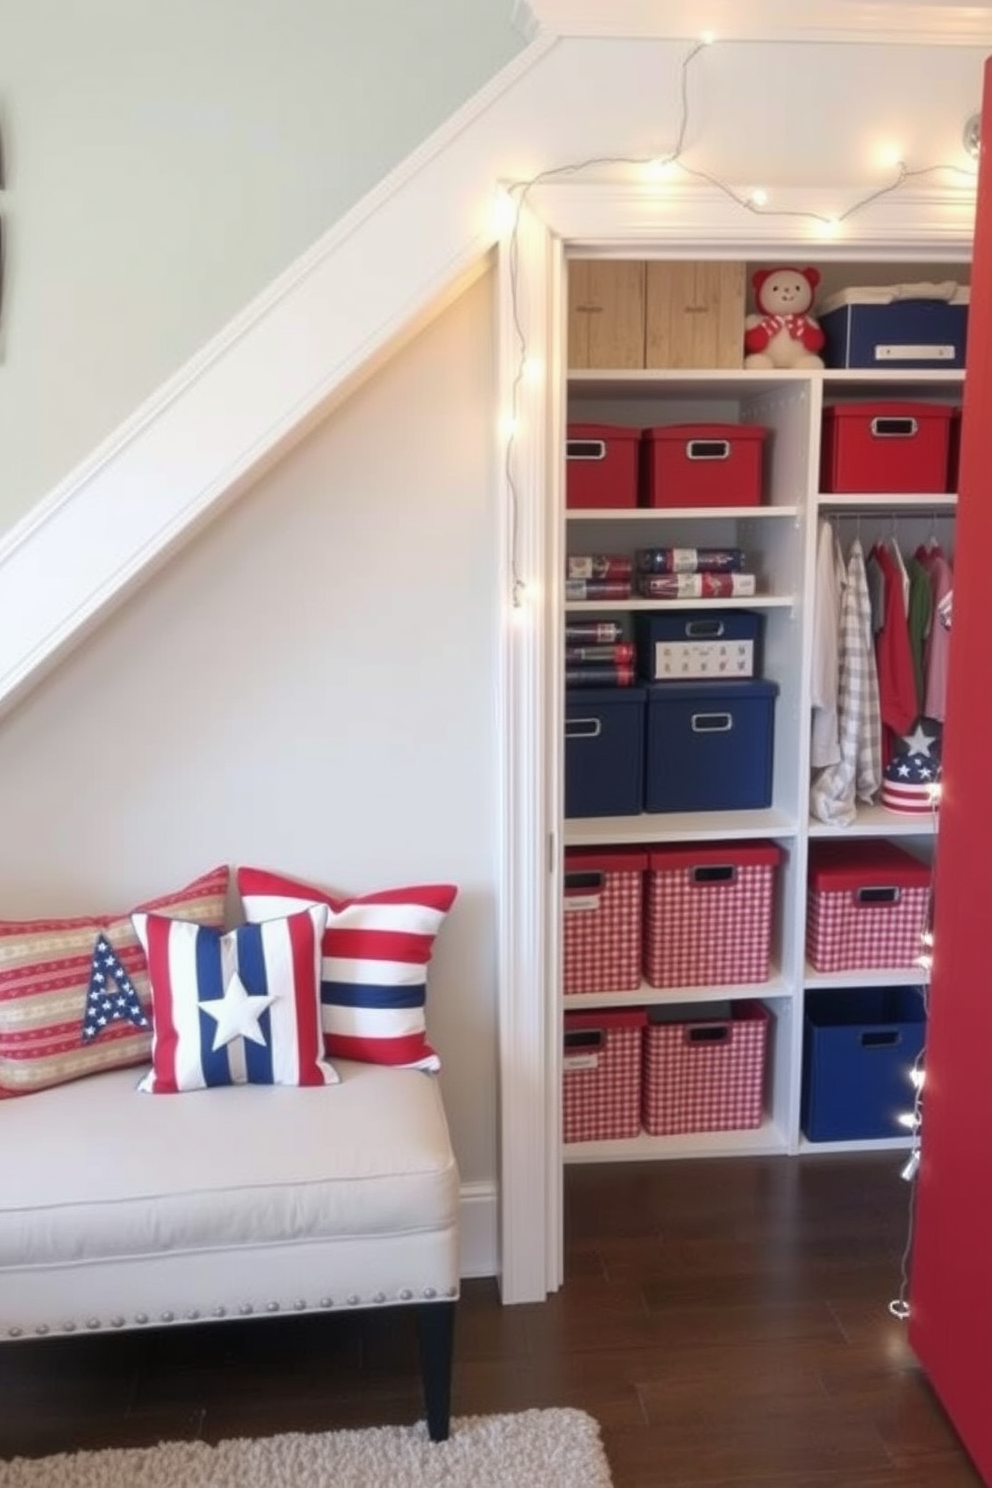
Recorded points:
(605, 313)
(695, 314)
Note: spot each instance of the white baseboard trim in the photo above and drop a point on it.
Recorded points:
(479, 1220)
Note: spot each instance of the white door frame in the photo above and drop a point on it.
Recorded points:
(546, 221)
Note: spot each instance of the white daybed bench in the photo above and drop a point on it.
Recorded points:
(120, 1210)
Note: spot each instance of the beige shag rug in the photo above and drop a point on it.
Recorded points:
(531, 1449)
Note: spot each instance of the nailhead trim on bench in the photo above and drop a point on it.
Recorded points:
(246, 1309)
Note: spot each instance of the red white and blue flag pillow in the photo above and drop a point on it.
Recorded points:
(376, 951)
(240, 1008)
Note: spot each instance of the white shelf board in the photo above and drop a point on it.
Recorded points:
(678, 382)
(665, 513)
(685, 826)
(902, 976)
(884, 501)
(732, 602)
(877, 821)
(648, 996)
(757, 1141)
(920, 378)
(738, 383)
(863, 1144)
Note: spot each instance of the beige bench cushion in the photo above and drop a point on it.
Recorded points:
(270, 1195)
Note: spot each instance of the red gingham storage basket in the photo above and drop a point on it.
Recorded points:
(705, 1074)
(601, 935)
(866, 906)
(601, 1075)
(708, 914)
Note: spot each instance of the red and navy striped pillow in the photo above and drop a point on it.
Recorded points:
(376, 951)
(240, 1008)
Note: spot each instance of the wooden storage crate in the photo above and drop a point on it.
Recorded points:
(605, 313)
(694, 314)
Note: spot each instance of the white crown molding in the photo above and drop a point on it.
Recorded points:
(692, 217)
(925, 23)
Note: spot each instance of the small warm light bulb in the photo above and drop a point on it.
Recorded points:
(503, 212)
(911, 1167)
(661, 169)
(925, 961)
(935, 794)
(917, 1077)
(508, 426)
(927, 938)
(758, 197)
(707, 37)
(532, 369)
(829, 227)
(908, 1118)
(890, 158)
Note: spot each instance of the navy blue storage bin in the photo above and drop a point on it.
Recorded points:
(859, 1046)
(905, 333)
(604, 751)
(709, 745)
(696, 645)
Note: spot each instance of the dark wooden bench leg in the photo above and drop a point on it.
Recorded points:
(436, 1331)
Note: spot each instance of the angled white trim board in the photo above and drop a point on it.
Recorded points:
(924, 23)
(523, 18)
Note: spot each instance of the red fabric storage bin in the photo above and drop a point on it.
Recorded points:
(601, 464)
(708, 913)
(601, 1075)
(703, 465)
(867, 906)
(888, 447)
(705, 1074)
(603, 908)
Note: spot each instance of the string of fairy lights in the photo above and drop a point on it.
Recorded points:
(661, 168)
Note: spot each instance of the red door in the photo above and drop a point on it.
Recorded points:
(950, 1325)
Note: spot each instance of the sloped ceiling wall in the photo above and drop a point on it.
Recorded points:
(164, 163)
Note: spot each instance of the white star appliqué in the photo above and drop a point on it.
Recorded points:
(236, 1013)
(919, 742)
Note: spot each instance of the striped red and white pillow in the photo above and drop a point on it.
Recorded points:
(49, 974)
(376, 952)
(241, 1008)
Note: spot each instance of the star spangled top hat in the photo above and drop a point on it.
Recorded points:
(909, 778)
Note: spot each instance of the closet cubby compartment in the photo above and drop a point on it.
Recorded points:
(859, 1051)
(704, 1070)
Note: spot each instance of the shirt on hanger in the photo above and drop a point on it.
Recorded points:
(824, 736)
(896, 679)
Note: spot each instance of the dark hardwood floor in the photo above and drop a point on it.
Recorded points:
(727, 1324)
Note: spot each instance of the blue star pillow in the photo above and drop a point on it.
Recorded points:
(235, 1008)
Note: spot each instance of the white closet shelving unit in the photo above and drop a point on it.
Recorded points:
(779, 539)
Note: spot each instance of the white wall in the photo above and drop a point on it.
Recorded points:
(164, 162)
(309, 687)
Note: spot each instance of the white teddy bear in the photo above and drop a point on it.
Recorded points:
(783, 333)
